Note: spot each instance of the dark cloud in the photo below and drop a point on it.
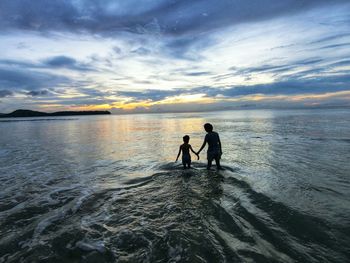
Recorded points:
(330, 38)
(5, 93)
(199, 73)
(18, 63)
(94, 92)
(84, 101)
(66, 62)
(335, 46)
(297, 70)
(36, 93)
(60, 61)
(171, 17)
(149, 94)
(20, 79)
(276, 68)
(341, 63)
(51, 62)
(117, 50)
(284, 87)
(186, 47)
(141, 51)
(186, 27)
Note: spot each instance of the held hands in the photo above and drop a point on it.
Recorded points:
(197, 153)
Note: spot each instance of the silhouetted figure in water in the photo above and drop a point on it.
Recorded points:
(214, 146)
(185, 149)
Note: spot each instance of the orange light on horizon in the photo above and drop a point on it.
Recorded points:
(128, 104)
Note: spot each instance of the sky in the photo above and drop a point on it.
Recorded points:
(173, 55)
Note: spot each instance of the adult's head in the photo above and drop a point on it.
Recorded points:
(208, 127)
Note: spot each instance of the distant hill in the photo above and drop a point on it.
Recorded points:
(30, 113)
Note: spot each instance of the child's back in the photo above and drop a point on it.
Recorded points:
(185, 150)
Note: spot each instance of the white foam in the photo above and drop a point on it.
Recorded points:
(85, 194)
(91, 245)
(59, 214)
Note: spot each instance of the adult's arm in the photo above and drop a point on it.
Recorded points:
(219, 144)
(194, 152)
(203, 145)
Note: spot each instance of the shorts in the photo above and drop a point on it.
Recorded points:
(186, 159)
(213, 155)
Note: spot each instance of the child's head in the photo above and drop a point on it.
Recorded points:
(208, 127)
(186, 138)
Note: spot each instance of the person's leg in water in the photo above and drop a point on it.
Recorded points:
(189, 164)
(217, 161)
(209, 164)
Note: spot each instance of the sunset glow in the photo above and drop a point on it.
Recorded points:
(214, 58)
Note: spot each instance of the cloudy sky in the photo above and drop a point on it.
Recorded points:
(173, 55)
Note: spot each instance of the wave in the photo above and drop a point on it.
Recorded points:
(174, 215)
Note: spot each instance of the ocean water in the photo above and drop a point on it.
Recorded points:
(106, 188)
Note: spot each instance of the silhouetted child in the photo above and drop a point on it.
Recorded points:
(185, 149)
(214, 146)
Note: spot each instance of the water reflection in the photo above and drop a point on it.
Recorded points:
(111, 180)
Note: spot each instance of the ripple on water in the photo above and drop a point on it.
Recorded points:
(172, 216)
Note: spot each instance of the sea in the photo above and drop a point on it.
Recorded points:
(108, 189)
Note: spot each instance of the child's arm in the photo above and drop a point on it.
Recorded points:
(178, 153)
(194, 152)
(203, 145)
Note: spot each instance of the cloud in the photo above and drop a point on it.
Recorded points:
(199, 73)
(141, 51)
(48, 63)
(284, 87)
(66, 62)
(169, 17)
(5, 93)
(341, 63)
(150, 94)
(36, 93)
(331, 38)
(103, 51)
(60, 61)
(20, 79)
(277, 68)
(336, 46)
